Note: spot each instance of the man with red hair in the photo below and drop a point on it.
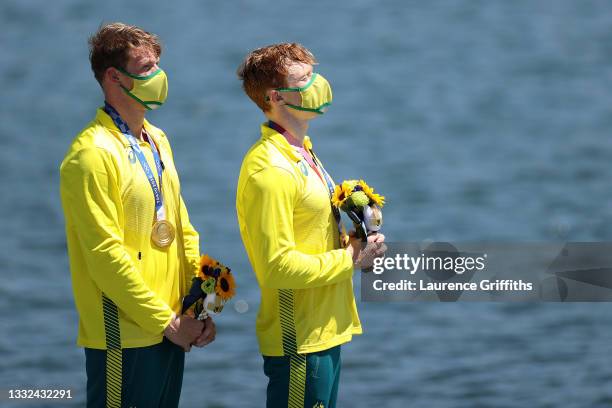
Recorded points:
(293, 236)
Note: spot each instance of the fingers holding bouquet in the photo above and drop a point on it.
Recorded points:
(182, 331)
(365, 253)
(208, 333)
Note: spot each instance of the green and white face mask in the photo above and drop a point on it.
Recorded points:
(150, 90)
(316, 95)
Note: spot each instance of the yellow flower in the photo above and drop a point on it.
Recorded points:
(369, 191)
(226, 286)
(207, 265)
(340, 195)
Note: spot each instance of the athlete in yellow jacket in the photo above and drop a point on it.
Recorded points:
(132, 248)
(292, 235)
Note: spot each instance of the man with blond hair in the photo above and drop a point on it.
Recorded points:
(132, 248)
(293, 236)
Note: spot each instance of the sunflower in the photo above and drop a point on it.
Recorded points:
(369, 191)
(207, 265)
(226, 286)
(339, 196)
(342, 192)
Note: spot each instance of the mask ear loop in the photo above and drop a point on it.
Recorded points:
(118, 79)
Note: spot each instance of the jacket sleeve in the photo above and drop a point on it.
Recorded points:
(268, 199)
(92, 201)
(192, 245)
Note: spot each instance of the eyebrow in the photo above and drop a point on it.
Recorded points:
(147, 61)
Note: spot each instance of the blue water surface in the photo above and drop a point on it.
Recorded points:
(478, 120)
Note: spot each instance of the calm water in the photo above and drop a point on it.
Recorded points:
(477, 119)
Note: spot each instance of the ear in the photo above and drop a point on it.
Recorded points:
(273, 96)
(112, 75)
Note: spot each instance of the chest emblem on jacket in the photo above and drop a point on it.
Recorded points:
(131, 156)
(303, 167)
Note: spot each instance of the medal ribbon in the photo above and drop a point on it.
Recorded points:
(123, 127)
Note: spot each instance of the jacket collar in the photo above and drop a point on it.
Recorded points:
(281, 143)
(106, 121)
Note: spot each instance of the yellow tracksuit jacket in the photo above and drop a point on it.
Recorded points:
(125, 289)
(291, 238)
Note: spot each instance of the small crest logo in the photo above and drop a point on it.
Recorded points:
(319, 404)
(131, 156)
(303, 167)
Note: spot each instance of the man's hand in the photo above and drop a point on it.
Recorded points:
(183, 331)
(364, 257)
(208, 334)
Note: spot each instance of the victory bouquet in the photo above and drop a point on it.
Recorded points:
(210, 289)
(361, 204)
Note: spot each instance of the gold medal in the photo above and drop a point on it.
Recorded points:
(162, 234)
